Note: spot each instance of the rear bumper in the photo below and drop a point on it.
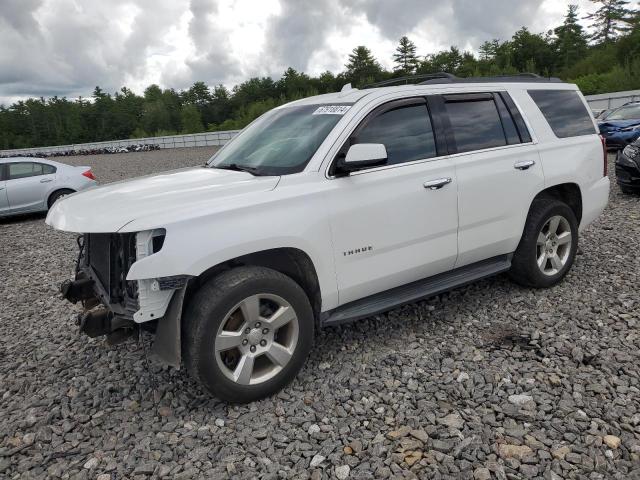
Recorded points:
(594, 201)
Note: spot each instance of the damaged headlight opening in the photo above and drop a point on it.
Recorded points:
(101, 278)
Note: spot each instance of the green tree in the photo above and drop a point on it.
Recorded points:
(489, 49)
(610, 20)
(571, 41)
(198, 94)
(362, 67)
(151, 94)
(155, 117)
(293, 84)
(532, 52)
(327, 82)
(220, 107)
(405, 57)
(448, 61)
(191, 121)
(628, 47)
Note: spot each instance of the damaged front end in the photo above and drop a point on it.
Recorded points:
(119, 308)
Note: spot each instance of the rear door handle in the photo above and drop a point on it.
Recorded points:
(437, 184)
(46, 180)
(524, 165)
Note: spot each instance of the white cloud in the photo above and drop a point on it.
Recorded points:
(67, 47)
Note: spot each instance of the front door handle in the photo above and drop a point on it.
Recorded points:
(46, 180)
(437, 184)
(524, 165)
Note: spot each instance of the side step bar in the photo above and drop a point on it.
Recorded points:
(412, 292)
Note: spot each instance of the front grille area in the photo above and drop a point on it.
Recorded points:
(110, 255)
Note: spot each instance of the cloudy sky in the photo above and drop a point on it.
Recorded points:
(67, 47)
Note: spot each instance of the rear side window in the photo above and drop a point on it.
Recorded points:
(565, 112)
(475, 122)
(48, 169)
(405, 131)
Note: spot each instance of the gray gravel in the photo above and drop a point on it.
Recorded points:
(489, 381)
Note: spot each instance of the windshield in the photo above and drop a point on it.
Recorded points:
(280, 142)
(629, 112)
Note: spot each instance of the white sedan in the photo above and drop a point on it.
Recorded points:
(34, 184)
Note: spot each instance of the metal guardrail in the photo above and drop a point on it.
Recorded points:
(606, 101)
(206, 139)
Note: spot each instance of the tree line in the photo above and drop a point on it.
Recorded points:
(607, 60)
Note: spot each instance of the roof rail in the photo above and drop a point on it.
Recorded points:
(444, 77)
(409, 78)
(516, 77)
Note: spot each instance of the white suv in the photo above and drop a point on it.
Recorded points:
(335, 208)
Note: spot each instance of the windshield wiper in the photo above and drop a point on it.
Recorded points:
(239, 168)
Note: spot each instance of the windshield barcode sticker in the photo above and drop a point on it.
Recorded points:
(332, 110)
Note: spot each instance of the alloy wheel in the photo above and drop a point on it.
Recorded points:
(553, 245)
(256, 339)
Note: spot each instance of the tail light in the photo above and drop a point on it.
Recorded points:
(89, 174)
(605, 160)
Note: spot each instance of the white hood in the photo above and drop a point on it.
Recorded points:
(193, 190)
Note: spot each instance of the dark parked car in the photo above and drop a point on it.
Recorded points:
(621, 127)
(628, 168)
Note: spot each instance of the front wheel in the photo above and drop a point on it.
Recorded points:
(247, 333)
(548, 246)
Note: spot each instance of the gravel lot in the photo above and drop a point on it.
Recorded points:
(489, 381)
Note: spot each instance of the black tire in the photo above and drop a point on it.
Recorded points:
(628, 190)
(208, 308)
(524, 266)
(55, 196)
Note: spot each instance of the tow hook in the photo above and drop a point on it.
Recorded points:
(78, 290)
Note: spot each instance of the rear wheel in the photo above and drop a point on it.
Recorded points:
(247, 333)
(57, 195)
(548, 246)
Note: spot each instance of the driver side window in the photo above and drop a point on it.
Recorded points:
(405, 131)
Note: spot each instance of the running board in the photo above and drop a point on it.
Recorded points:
(412, 292)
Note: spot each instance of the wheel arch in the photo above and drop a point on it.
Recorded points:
(57, 190)
(568, 193)
(289, 261)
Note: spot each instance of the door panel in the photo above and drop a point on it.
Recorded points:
(494, 198)
(498, 171)
(389, 230)
(28, 192)
(4, 202)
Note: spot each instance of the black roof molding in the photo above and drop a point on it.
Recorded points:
(444, 77)
(516, 78)
(411, 79)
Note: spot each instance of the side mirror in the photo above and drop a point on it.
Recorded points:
(362, 155)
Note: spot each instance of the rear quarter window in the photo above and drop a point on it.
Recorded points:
(48, 169)
(564, 111)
